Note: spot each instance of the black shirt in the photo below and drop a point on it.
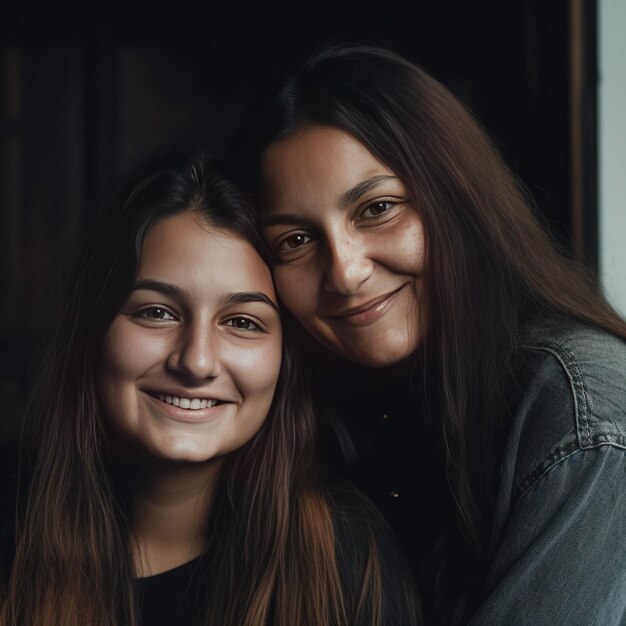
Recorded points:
(178, 596)
(173, 597)
(379, 442)
(378, 437)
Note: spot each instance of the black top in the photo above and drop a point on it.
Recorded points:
(176, 597)
(173, 597)
(381, 445)
(379, 440)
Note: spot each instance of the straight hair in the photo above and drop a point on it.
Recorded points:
(272, 539)
(490, 267)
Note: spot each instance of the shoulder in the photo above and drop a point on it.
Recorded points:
(558, 554)
(572, 397)
(584, 369)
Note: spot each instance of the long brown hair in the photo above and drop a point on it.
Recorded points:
(275, 558)
(491, 268)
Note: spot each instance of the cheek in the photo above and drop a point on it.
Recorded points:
(127, 352)
(412, 246)
(256, 370)
(404, 250)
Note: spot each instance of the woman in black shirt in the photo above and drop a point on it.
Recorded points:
(168, 469)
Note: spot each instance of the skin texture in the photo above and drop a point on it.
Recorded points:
(190, 344)
(349, 245)
(195, 337)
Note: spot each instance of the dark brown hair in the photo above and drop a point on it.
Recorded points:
(275, 558)
(490, 266)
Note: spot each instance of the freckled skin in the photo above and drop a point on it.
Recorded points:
(191, 343)
(337, 251)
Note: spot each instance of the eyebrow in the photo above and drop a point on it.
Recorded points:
(243, 297)
(345, 200)
(238, 297)
(160, 287)
(352, 195)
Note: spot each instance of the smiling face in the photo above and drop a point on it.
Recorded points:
(190, 363)
(349, 245)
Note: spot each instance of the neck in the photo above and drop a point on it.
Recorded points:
(171, 508)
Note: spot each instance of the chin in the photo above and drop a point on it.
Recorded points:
(182, 452)
(376, 348)
(381, 360)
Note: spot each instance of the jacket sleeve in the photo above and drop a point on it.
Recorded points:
(562, 558)
(559, 542)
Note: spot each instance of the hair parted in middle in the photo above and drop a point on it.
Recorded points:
(272, 536)
(490, 265)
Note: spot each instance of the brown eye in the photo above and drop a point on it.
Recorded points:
(242, 323)
(293, 242)
(376, 209)
(155, 314)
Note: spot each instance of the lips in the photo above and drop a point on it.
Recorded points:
(187, 401)
(186, 407)
(368, 311)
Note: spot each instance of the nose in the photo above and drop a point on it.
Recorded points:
(196, 355)
(349, 266)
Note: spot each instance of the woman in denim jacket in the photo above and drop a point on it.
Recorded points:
(476, 375)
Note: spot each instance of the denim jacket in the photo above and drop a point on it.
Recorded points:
(559, 533)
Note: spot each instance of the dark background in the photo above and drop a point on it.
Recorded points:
(86, 94)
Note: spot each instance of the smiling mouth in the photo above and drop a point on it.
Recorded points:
(192, 404)
(367, 312)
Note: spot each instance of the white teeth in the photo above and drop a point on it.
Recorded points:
(187, 403)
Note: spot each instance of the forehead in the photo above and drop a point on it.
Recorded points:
(187, 251)
(317, 161)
